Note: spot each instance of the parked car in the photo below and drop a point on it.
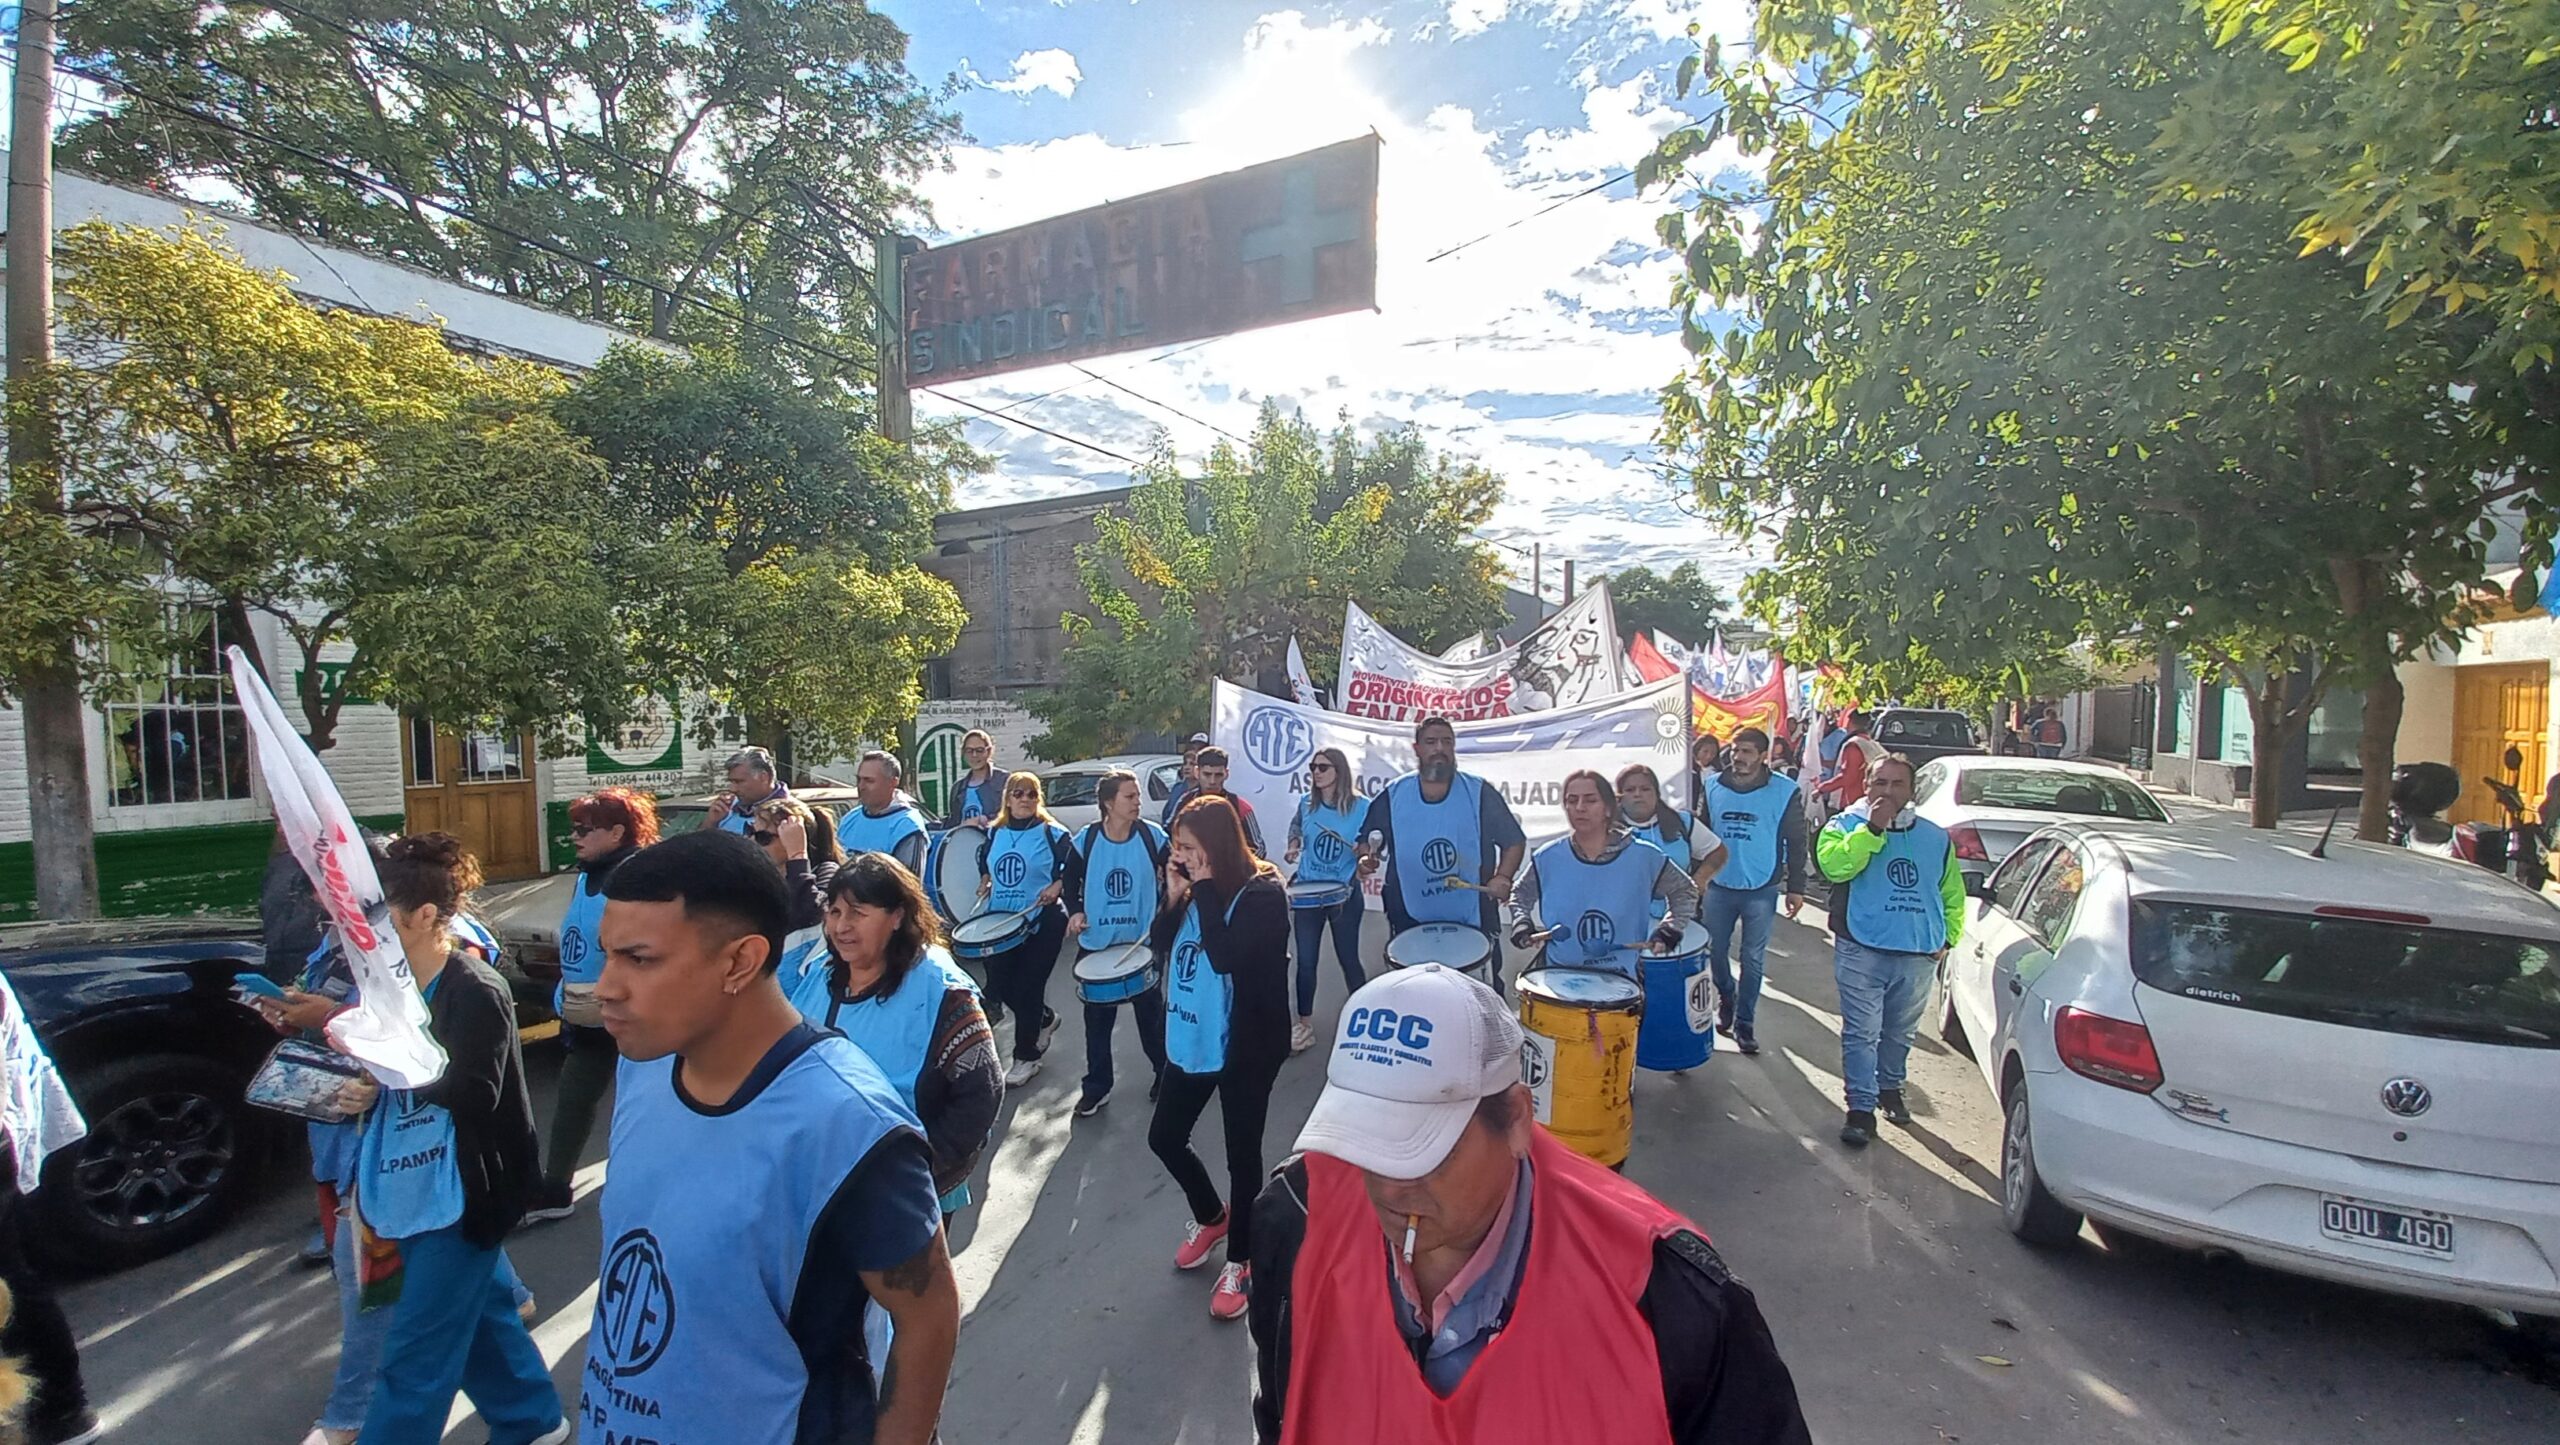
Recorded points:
(139, 1017)
(1070, 786)
(1991, 805)
(1923, 734)
(2345, 1066)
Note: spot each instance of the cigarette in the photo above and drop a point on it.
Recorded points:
(1411, 1222)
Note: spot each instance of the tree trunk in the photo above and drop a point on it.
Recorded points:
(2267, 738)
(2378, 748)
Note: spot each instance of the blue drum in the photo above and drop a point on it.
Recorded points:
(1115, 975)
(1679, 1028)
(1317, 893)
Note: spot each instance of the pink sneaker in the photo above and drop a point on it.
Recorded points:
(1197, 1240)
(1233, 1293)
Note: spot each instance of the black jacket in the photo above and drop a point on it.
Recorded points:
(1253, 951)
(474, 1017)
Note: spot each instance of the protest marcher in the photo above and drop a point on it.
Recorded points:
(883, 820)
(2047, 732)
(1224, 937)
(1706, 759)
(1685, 837)
(768, 1187)
(1324, 846)
(606, 828)
(800, 839)
(1760, 817)
(292, 923)
(1434, 1266)
(1028, 859)
(1189, 783)
(1112, 896)
(979, 795)
(1597, 895)
(443, 1172)
(1859, 751)
(1211, 766)
(37, 1117)
(1449, 842)
(753, 778)
(1897, 903)
(893, 989)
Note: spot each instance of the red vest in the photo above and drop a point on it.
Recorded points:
(1576, 1361)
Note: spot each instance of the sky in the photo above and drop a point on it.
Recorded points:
(1537, 351)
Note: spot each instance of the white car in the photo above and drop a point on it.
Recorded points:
(1991, 805)
(1070, 786)
(2344, 1066)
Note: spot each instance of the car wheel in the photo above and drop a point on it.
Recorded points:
(164, 1161)
(2030, 1211)
(1950, 1028)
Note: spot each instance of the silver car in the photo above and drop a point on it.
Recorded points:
(1991, 805)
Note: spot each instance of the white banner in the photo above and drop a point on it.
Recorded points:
(1470, 648)
(387, 1030)
(1270, 742)
(1572, 658)
(1301, 686)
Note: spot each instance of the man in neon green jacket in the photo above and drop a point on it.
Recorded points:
(1897, 903)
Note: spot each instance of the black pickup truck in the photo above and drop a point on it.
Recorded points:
(139, 1017)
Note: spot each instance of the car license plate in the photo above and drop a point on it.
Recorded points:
(2363, 1222)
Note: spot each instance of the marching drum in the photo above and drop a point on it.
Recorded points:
(1317, 893)
(1581, 1025)
(1679, 1005)
(1451, 945)
(989, 934)
(1116, 974)
(954, 868)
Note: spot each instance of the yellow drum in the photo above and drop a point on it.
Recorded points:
(1580, 1063)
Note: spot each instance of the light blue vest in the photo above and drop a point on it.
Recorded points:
(333, 1146)
(1326, 840)
(897, 1031)
(803, 973)
(1438, 841)
(1894, 904)
(1120, 887)
(581, 935)
(1674, 845)
(1020, 862)
(1604, 908)
(706, 1225)
(408, 1181)
(1749, 823)
(1197, 999)
(979, 800)
(862, 833)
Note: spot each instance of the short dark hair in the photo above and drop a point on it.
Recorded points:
(1434, 721)
(1909, 768)
(714, 874)
(1753, 736)
(886, 759)
(1498, 1111)
(1212, 757)
(1107, 788)
(876, 880)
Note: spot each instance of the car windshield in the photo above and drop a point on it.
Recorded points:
(1927, 729)
(2054, 790)
(1070, 790)
(2392, 977)
(675, 818)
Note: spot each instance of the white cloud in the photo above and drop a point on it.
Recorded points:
(1475, 17)
(1287, 33)
(1050, 70)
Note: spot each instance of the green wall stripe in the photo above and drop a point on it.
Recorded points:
(164, 870)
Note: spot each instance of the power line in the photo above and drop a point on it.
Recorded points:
(1533, 215)
(1168, 406)
(993, 414)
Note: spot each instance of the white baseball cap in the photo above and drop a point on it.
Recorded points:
(1415, 1050)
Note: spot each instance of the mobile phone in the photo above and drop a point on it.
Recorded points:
(259, 984)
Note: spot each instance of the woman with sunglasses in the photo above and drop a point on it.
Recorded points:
(1224, 936)
(800, 839)
(1324, 839)
(1029, 856)
(605, 827)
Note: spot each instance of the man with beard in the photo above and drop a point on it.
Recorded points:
(1448, 839)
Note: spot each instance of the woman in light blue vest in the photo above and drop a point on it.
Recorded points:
(1028, 858)
(1590, 894)
(1324, 846)
(894, 991)
(605, 827)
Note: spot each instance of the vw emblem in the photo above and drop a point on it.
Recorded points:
(2406, 1097)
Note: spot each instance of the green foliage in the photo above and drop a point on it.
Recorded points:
(1210, 576)
(1682, 601)
(834, 650)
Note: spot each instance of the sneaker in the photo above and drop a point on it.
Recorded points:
(79, 1427)
(1197, 1240)
(1233, 1292)
(1022, 1072)
(1048, 1030)
(1889, 1103)
(315, 1249)
(559, 1434)
(1091, 1104)
(550, 1201)
(1302, 1036)
(1860, 1128)
(322, 1435)
(1748, 1045)
(1724, 1014)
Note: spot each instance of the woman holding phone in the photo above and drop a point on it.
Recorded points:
(1224, 937)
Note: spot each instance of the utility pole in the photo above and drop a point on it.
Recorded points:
(1538, 578)
(889, 353)
(58, 818)
(1568, 581)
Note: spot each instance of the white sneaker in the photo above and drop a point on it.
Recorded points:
(1049, 1030)
(1302, 1036)
(1022, 1072)
(557, 1435)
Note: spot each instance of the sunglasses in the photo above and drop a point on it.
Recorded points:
(580, 830)
(1321, 768)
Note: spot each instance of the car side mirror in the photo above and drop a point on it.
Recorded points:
(1978, 887)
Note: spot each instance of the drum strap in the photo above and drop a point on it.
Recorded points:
(1146, 840)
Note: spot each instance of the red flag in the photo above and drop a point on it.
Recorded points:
(1648, 660)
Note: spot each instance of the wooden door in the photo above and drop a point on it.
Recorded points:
(478, 787)
(2495, 708)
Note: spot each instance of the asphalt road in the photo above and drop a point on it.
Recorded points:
(1903, 1309)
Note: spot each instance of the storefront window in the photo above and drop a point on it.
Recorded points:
(178, 736)
(2337, 731)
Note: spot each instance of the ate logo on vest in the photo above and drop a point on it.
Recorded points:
(635, 1304)
(1010, 870)
(573, 948)
(1902, 873)
(1186, 963)
(1278, 740)
(1119, 885)
(1440, 856)
(1595, 931)
(1329, 848)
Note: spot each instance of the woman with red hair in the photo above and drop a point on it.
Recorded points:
(605, 827)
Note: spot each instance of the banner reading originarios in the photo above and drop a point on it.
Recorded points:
(1571, 658)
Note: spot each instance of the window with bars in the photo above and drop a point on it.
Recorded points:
(179, 736)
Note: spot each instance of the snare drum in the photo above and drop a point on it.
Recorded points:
(1451, 945)
(1679, 1029)
(1580, 1026)
(1319, 893)
(989, 934)
(953, 871)
(1116, 974)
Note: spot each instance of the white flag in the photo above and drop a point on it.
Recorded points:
(1301, 686)
(387, 1030)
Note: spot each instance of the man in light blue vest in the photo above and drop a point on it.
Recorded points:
(883, 821)
(1760, 816)
(754, 780)
(1897, 902)
(1449, 841)
(771, 1203)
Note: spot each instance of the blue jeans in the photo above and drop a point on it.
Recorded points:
(1345, 918)
(455, 1327)
(360, 1332)
(1756, 909)
(1881, 995)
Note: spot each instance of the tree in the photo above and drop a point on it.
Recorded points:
(719, 153)
(1682, 601)
(1210, 576)
(350, 477)
(780, 534)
